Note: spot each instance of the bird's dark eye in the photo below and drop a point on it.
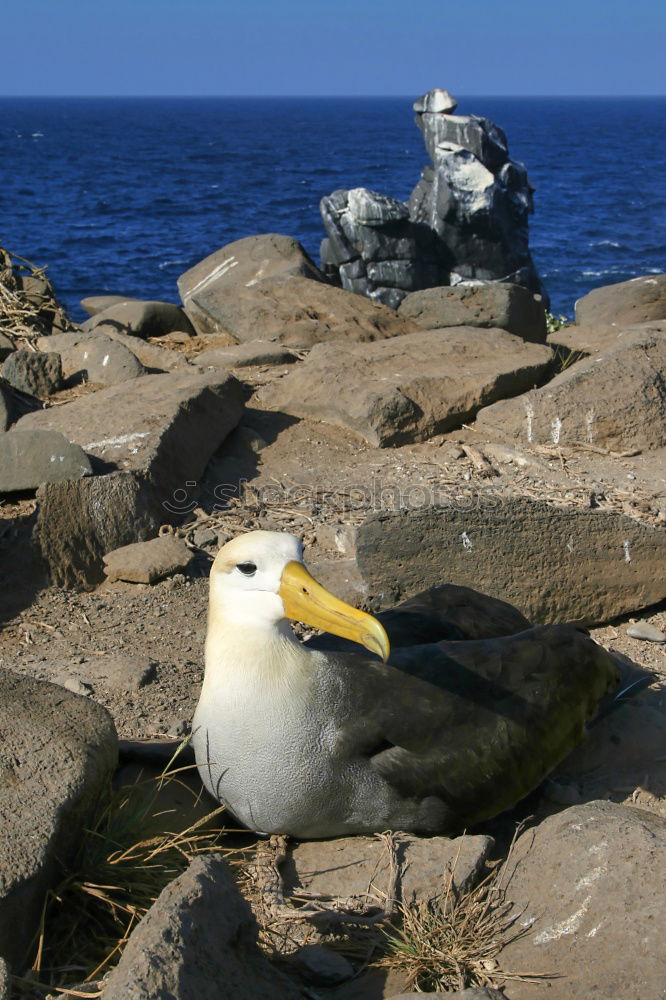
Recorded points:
(247, 569)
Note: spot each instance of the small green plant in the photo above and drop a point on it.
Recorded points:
(129, 853)
(554, 323)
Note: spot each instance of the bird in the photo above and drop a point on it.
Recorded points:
(465, 715)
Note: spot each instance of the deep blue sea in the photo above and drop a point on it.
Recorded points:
(122, 195)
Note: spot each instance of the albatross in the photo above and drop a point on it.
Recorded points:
(466, 715)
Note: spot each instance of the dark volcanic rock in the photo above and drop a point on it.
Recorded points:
(34, 372)
(409, 388)
(30, 458)
(466, 219)
(57, 752)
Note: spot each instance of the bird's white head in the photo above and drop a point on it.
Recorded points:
(258, 580)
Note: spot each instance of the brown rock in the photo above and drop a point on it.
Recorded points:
(497, 304)
(57, 752)
(587, 886)
(628, 302)
(409, 388)
(615, 399)
(199, 940)
(267, 288)
(553, 563)
(147, 562)
(359, 866)
(593, 338)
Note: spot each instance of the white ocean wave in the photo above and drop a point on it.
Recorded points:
(169, 263)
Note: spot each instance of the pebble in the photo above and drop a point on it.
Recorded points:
(76, 686)
(643, 630)
(321, 965)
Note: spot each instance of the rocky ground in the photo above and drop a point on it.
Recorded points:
(406, 448)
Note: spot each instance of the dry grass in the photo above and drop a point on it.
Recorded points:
(453, 942)
(129, 853)
(24, 317)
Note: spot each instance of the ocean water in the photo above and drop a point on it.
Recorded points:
(123, 195)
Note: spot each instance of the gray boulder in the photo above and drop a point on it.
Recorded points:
(587, 886)
(613, 399)
(599, 564)
(57, 753)
(197, 942)
(507, 306)
(34, 372)
(267, 288)
(72, 347)
(100, 359)
(141, 319)
(409, 388)
(639, 300)
(30, 458)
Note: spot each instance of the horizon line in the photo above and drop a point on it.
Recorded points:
(315, 97)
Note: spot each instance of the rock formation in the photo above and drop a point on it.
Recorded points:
(465, 221)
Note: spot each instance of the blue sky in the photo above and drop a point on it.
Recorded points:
(302, 47)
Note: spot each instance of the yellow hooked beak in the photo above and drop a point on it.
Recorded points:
(307, 601)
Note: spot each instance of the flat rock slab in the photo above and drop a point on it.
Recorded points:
(588, 886)
(198, 940)
(57, 752)
(30, 458)
(155, 435)
(496, 304)
(163, 426)
(141, 319)
(147, 562)
(614, 399)
(625, 303)
(266, 287)
(593, 338)
(359, 866)
(120, 671)
(409, 388)
(553, 563)
(252, 352)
